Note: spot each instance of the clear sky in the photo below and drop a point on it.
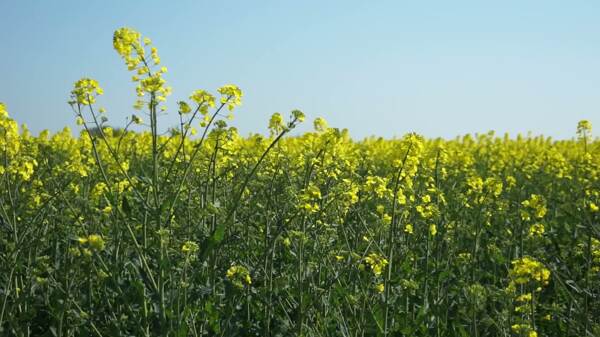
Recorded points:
(440, 68)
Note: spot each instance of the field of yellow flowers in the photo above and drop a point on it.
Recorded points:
(202, 232)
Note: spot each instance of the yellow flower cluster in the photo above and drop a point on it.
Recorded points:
(350, 191)
(128, 44)
(528, 269)
(432, 229)
(483, 190)
(584, 128)
(16, 162)
(93, 241)
(3, 112)
(189, 247)
(86, 90)
(378, 185)
(536, 229)
(125, 42)
(320, 124)
(230, 95)
(595, 249)
(534, 207)
(376, 263)
(298, 115)
(524, 330)
(239, 276)
(202, 98)
(524, 303)
(276, 124)
(309, 200)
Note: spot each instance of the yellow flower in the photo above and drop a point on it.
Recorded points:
(230, 95)
(85, 91)
(311, 207)
(202, 97)
(189, 247)
(107, 209)
(276, 124)
(320, 124)
(102, 274)
(287, 242)
(152, 84)
(239, 275)
(376, 262)
(536, 204)
(380, 287)
(125, 42)
(96, 242)
(524, 298)
(298, 115)
(3, 112)
(527, 269)
(408, 228)
(98, 190)
(518, 328)
(536, 230)
(584, 127)
(26, 169)
(74, 251)
(184, 108)
(432, 229)
(465, 257)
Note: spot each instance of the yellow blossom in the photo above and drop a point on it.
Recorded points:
(376, 262)
(189, 247)
(432, 229)
(86, 90)
(239, 275)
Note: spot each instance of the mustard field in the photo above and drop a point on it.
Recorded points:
(202, 232)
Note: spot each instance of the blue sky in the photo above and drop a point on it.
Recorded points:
(440, 68)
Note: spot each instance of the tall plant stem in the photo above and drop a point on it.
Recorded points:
(391, 237)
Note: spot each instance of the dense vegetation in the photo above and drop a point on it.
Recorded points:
(209, 233)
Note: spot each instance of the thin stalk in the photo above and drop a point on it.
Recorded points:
(391, 237)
